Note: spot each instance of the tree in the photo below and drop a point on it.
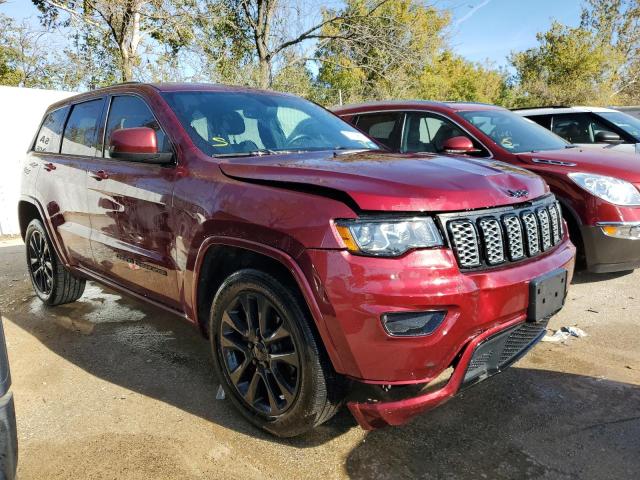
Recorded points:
(616, 24)
(26, 59)
(454, 78)
(570, 66)
(400, 51)
(379, 52)
(114, 31)
(267, 36)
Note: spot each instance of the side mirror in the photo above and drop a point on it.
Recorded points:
(138, 144)
(458, 144)
(607, 137)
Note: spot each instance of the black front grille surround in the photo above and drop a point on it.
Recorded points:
(488, 238)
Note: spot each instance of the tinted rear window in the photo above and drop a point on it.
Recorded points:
(384, 127)
(81, 132)
(50, 133)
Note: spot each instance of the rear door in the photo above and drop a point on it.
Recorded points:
(132, 238)
(61, 184)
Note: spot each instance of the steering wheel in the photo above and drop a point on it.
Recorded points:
(291, 142)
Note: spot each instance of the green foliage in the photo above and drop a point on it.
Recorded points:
(402, 52)
(26, 59)
(568, 67)
(614, 24)
(380, 54)
(451, 77)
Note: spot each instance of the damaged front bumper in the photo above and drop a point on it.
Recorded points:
(487, 354)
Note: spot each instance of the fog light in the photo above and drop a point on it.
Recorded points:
(412, 324)
(629, 231)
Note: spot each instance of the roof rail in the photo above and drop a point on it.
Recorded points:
(541, 106)
(471, 103)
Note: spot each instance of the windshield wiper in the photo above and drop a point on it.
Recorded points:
(253, 153)
(571, 146)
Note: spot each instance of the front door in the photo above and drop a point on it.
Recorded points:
(132, 237)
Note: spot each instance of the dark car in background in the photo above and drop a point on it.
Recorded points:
(8, 435)
(598, 188)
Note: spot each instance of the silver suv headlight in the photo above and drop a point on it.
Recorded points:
(388, 238)
(611, 189)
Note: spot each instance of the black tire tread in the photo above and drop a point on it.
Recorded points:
(66, 287)
(328, 396)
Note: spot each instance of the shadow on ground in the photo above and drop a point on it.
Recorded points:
(525, 423)
(583, 276)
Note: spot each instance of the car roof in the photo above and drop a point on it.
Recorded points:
(414, 104)
(159, 87)
(560, 109)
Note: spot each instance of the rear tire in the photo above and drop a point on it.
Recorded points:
(52, 282)
(284, 397)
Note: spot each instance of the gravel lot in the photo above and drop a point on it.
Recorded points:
(111, 388)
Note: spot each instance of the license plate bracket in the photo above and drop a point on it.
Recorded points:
(547, 295)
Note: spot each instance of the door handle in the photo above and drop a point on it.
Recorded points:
(49, 166)
(100, 175)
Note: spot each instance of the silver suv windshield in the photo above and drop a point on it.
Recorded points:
(513, 132)
(228, 123)
(626, 122)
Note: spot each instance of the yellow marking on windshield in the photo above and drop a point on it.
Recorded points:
(219, 142)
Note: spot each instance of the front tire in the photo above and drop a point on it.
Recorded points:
(51, 281)
(267, 356)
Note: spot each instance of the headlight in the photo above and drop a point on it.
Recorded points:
(388, 238)
(611, 189)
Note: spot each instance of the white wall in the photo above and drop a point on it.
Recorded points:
(21, 110)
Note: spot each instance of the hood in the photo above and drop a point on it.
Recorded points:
(393, 182)
(590, 160)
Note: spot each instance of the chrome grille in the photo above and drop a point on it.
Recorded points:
(545, 228)
(556, 222)
(492, 237)
(533, 236)
(465, 242)
(515, 241)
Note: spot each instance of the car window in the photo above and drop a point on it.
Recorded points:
(512, 132)
(130, 112)
(626, 122)
(427, 132)
(542, 120)
(50, 133)
(242, 123)
(81, 132)
(579, 127)
(384, 127)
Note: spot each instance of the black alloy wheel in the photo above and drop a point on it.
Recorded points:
(259, 354)
(40, 263)
(52, 282)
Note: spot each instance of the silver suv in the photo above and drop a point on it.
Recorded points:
(596, 127)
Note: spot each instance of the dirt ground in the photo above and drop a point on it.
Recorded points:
(110, 388)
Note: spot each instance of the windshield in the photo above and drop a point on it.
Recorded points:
(247, 123)
(626, 122)
(512, 132)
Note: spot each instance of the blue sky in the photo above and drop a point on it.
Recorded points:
(491, 29)
(481, 29)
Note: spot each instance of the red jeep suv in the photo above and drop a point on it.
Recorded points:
(322, 269)
(598, 189)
